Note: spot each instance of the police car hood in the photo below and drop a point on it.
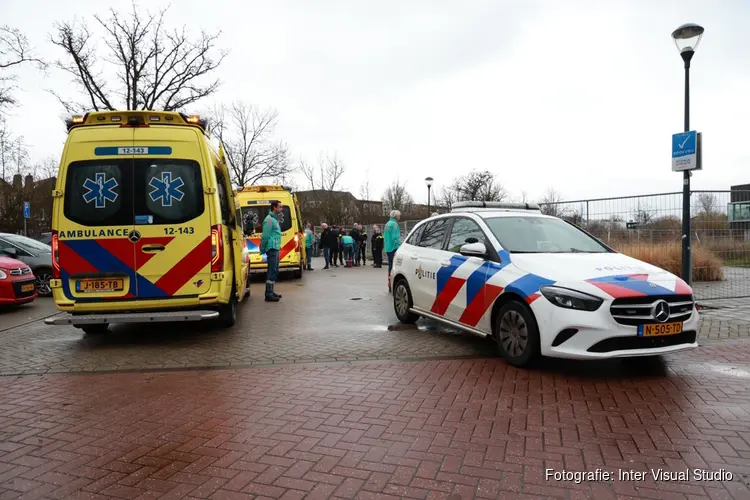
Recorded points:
(613, 273)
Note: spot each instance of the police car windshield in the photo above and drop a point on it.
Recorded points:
(541, 235)
(253, 216)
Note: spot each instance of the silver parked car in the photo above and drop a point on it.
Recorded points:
(35, 254)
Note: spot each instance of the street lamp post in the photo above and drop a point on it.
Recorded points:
(686, 38)
(428, 181)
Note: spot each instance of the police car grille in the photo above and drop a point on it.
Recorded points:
(20, 271)
(636, 311)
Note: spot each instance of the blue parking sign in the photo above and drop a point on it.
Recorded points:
(26, 210)
(685, 151)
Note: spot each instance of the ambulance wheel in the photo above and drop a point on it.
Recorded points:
(517, 334)
(402, 302)
(298, 272)
(228, 312)
(95, 329)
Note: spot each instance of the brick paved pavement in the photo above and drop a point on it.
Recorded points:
(380, 430)
(317, 320)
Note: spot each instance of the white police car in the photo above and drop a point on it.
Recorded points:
(538, 285)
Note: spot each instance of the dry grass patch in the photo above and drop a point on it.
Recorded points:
(668, 256)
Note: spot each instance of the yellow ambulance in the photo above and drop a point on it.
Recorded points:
(144, 226)
(254, 202)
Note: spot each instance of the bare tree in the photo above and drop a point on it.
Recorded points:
(46, 168)
(155, 67)
(246, 133)
(14, 51)
(366, 210)
(397, 197)
(642, 215)
(446, 198)
(14, 154)
(324, 179)
(479, 186)
(707, 203)
(552, 204)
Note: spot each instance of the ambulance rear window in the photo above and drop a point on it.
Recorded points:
(117, 192)
(169, 190)
(94, 193)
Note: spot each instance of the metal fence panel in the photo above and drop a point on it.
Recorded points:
(649, 228)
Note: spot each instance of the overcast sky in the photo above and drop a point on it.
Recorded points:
(582, 96)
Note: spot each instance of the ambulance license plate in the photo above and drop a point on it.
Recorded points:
(28, 287)
(660, 329)
(100, 285)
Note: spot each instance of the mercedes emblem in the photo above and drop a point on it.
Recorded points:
(134, 236)
(660, 311)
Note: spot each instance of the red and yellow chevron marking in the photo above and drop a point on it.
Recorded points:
(288, 247)
(176, 269)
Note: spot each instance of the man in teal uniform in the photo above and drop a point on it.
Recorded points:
(270, 244)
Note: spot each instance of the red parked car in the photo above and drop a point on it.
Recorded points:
(17, 282)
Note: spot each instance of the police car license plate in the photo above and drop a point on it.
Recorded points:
(28, 287)
(100, 285)
(660, 329)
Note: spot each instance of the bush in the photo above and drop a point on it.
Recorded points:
(706, 265)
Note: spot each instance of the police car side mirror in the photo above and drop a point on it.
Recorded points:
(474, 250)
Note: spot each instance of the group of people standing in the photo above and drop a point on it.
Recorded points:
(350, 248)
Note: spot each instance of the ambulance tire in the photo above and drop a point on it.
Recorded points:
(96, 329)
(298, 272)
(228, 312)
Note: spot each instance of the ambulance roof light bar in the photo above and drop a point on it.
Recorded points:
(490, 205)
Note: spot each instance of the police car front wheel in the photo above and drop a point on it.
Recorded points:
(516, 334)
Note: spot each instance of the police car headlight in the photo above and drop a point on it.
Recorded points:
(571, 299)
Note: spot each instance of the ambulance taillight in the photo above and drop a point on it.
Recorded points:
(217, 249)
(55, 244)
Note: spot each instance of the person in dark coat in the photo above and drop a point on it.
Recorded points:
(328, 242)
(335, 246)
(356, 236)
(340, 234)
(377, 246)
(363, 244)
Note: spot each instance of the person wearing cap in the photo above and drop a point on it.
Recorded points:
(362, 245)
